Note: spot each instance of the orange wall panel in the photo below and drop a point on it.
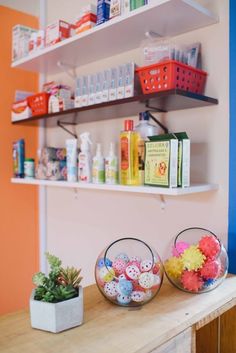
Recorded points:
(19, 257)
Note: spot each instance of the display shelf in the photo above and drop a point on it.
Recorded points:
(196, 188)
(123, 33)
(165, 101)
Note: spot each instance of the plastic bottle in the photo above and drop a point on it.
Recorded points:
(111, 166)
(144, 129)
(98, 169)
(85, 159)
(129, 155)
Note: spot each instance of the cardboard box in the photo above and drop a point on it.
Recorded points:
(103, 11)
(161, 161)
(20, 110)
(56, 32)
(183, 159)
(20, 41)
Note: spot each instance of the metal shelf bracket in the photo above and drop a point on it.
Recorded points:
(62, 124)
(70, 70)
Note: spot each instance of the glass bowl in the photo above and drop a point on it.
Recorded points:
(129, 272)
(197, 262)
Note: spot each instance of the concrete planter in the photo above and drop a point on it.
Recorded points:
(57, 317)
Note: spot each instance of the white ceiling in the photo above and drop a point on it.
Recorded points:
(28, 6)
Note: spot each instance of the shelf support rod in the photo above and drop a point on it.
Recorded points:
(66, 68)
(163, 202)
(164, 128)
(62, 124)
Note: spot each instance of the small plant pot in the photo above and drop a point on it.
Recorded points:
(57, 317)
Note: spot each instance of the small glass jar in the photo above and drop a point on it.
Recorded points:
(29, 168)
(129, 272)
(197, 261)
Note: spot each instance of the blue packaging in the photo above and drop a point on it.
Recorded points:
(18, 158)
(103, 11)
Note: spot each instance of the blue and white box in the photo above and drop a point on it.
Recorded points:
(103, 11)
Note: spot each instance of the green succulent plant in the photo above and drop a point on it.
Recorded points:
(60, 284)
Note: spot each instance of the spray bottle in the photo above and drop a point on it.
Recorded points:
(98, 169)
(85, 159)
(111, 166)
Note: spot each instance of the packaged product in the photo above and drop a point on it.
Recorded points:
(40, 39)
(121, 82)
(129, 171)
(60, 98)
(144, 129)
(103, 11)
(183, 159)
(78, 93)
(92, 89)
(85, 159)
(33, 42)
(84, 91)
(113, 84)
(98, 83)
(98, 166)
(20, 41)
(111, 166)
(129, 79)
(56, 32)
(87, 19)
(105, 85)
(46, 168)
(161, 161)
(135, 4)
(71, 159)
(18, 158)
(20, 110)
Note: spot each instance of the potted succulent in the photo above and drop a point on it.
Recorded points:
(56, 304)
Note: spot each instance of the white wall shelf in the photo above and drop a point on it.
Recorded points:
(123, 33)
(196, 188)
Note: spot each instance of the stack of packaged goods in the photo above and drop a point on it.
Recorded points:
(108, 85)
(87, 19)
(51, 164)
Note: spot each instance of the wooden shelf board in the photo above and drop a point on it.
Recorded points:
(174, 99)
(121, 188)
(123, 33)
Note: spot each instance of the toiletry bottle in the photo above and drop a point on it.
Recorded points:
(71, 159)
(144, 129)
(85, 159)
(98, 169)
(129, 155)
(111, 166)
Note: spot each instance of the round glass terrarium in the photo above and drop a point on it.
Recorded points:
(198, 261)
(129, 272)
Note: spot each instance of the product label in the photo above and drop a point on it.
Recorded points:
(157, 163)
(124, 146)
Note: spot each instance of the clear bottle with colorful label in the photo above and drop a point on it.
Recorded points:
(98, 168)
(85, 159)
(144, 129)
(111, 166)
(129, 171)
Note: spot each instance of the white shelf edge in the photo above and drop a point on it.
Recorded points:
(196, 188)
(21, 63)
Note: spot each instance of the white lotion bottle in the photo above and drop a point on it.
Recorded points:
(85, 159)
(111, 166)
(71, 159)
(98, 169)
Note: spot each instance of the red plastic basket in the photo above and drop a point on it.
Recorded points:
(171, 75)
(38, 103)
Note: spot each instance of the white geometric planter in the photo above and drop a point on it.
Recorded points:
(59, 316)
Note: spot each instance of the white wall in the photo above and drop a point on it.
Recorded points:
(27, 6)
(80, 225)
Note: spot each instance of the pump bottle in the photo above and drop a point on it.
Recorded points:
(85, 159)
(98, 169)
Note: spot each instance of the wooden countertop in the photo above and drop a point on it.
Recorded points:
(109, 328)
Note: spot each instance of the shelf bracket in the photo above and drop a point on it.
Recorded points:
(62, 124)
(70, 70)
(163, 202)
(163, 127)
(152, 35)
(154, 109)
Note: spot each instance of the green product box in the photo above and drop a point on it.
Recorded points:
(183, 159)
(161, 161)
(135, 4)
